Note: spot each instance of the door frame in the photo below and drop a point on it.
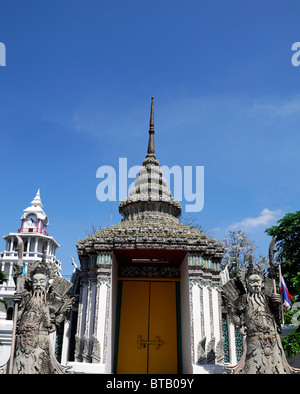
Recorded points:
(178, 316)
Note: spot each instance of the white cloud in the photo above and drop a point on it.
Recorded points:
(278, 108)
(265, 218)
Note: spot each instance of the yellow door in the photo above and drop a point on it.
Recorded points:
(163, 327)
(148, 328)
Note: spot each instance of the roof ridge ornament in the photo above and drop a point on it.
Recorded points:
(37, 200)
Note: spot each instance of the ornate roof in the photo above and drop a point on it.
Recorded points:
(150, 216)
(153, 230)
(36, 208)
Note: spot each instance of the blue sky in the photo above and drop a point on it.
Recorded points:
(76, 90)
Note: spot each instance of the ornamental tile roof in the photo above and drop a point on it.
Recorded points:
(150, 217)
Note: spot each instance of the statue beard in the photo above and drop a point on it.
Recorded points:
(38, 297)
(256, 298)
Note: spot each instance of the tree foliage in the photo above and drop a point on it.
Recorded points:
(3, 277)
(287, 231)
(291, 344)
(288, 246)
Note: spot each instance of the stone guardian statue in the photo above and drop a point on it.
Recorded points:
(41, 307)
(255, 312)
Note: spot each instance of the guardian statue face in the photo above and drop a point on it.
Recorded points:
(254, 284)
(39, 282)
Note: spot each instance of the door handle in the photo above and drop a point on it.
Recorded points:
(157, 343)
(139, 342)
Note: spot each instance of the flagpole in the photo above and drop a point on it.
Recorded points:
(281, 296)
(272, 250)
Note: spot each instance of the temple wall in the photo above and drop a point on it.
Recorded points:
(95, 326)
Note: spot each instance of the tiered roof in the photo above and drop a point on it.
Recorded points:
(150, 217)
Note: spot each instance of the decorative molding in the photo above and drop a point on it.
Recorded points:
(206, 262)
(206, 353)
(201, 352)
(211, 315)
(78, 348)
(104, 258)
(148, 271)
(95, 349)
(202, 312)
(86, 349)
(220, 352)
(192, 323)
(204, 277)
(107, 309)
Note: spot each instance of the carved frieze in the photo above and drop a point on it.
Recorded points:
(148, 271)
(95, 349)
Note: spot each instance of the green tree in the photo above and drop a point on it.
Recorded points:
(3, 277)
(287, 231)
(288, 245)
(291, 344)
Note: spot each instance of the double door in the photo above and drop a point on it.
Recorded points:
(148, 328)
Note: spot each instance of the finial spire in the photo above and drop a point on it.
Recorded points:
(152, 115)
(151, 148)
(37, 200)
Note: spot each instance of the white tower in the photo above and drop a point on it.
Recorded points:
(33, 231)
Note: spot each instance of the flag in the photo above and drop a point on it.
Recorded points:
(284, 290)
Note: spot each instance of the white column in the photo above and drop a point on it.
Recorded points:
(231, 339)
(48, 247)
(92, 312)
(10, 275)
(206, 313)
(81, 318)
(102, 318)
(83, 310)
(11, 244)
(66, 342)
(95, 341)
(216, 314)
(28, 245)
(196, 319)
(36, 246)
